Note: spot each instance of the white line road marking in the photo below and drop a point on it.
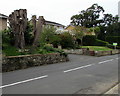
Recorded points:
(105, 61)
(23, 81)
(78, 68)
(86, 66)
(117, 58)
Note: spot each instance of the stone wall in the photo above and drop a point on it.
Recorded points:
(12, 63)
(74, 51)
(85, 51)
(104, 53)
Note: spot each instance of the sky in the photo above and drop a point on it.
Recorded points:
(59, 11)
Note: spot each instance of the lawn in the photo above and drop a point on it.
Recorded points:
(97, 48)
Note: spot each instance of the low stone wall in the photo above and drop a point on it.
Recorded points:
(12, 63)
(85, 51)
(115, 52)
(74, 51)
(104, 53)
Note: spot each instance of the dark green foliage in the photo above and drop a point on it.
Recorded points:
(49, 37)
(102, 34)
(7, 37)
(11, 51)
(113, 29)
(110, 46)
(89, 17)
(113, 39)
(67, 41)
(28, 34)
(100, 43)
(55, 40)
(89, 40)
(48, 49)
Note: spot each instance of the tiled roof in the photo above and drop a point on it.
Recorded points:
(53, 23)
(3, 16)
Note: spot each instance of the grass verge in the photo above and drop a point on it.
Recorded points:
(97, 48)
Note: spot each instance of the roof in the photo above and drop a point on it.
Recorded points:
(72, 26)
(53, 23)
(3, 16)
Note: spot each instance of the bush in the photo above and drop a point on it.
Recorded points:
(67, 41)
(101, 43)
(28, 34)
(7, 36)
(89, 40)
(12, 51)
(49, 49)
(113, 39)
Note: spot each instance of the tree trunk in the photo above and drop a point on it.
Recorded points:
(34, 24)
(81, 41)
(39, 27)
(18, 24)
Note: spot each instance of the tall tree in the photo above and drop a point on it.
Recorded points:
(89, 17)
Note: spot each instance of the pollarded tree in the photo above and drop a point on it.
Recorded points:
(18, 24)
(38, 30)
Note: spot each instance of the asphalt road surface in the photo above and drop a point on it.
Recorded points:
(80, 75)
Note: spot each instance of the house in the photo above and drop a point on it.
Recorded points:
(70, 29)
(3, 21)
(59, 27)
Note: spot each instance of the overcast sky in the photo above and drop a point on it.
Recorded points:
(59, 11)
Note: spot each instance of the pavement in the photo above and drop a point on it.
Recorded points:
(113, 90)
(81, 75)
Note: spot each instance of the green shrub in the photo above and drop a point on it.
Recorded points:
(101, 43)
(49, 49)
(11, 51)
(7, 36)
(89, 40)
(67, 41)
(113, 39)
(43, 51)
(28, 34)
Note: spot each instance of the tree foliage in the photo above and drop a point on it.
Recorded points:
(49, 36)
(89, 17)
(67, 40)
(79, 33)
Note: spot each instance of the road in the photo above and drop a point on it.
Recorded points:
(80, 75)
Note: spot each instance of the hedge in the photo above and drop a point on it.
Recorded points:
(89, 40)
(113, 39)
(101, 43)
